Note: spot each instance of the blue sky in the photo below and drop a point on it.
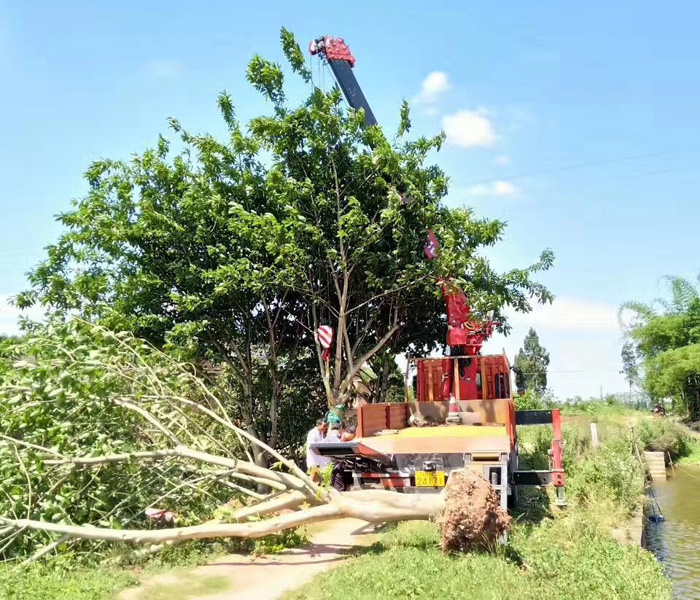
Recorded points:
(576, 123)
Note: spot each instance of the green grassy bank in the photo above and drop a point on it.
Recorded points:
(82, 577)
(569, 554)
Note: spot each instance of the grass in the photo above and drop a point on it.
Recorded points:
(184, 588)
(47, 582)
(70, 578)
(693, 455)
(566, 558)
(44, 582)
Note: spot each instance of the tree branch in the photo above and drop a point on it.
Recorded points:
(241, 530)
(243, 469)
(285, 501)
(363, 359)
(29, 445)
(151, 419)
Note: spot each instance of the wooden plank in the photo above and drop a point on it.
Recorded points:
(398, 416)
(656, 464)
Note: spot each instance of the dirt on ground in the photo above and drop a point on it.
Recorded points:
(472, 517)
(246, 577)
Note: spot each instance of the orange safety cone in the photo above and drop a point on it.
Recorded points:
(453, 414)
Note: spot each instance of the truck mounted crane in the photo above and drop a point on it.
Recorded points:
(465, 388)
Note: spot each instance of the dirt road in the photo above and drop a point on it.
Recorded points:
(243, 577)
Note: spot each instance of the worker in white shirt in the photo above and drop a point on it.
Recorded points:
(335, 432)
(315, 463)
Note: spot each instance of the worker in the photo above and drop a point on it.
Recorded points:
(336, 429)
(315, 463)
(349, 434)
(334, 433)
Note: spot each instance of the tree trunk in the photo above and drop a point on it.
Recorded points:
(468, 511)
(384, 374)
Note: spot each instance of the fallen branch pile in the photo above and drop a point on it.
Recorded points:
(183, 423)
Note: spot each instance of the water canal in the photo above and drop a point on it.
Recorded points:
(676, 540)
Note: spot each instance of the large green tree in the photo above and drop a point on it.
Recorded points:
(666, 336)
(235, 250)
(531, 364)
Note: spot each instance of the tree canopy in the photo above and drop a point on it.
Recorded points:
(531, 364)
(233, 251)
(666, 337)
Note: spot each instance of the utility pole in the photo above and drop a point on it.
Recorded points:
(601, 392)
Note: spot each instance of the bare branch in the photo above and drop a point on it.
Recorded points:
(151, 419)
(369, 354)
(385, 293)
(244, 490)
(241, 530)
(244, 470)
(29, 481)
(19, 530)
(45, 550)
(252, 439)
(282, 502)
(12, 440)
(91, 461)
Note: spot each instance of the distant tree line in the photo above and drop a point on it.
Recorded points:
(662, 353)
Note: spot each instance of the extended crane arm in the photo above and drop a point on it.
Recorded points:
(337, 54)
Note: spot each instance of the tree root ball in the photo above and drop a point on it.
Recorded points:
(472, 517)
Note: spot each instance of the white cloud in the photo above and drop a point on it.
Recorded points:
(502, 160)
(434, 86)
(9, 316)
(583, 340)
(495, 189)
(571, 314)
(469, 128)
(164, 68)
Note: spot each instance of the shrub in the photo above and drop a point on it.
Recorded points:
(610, 474)
(663, 435)
(533, 400)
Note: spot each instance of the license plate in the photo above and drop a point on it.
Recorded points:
(430, 479)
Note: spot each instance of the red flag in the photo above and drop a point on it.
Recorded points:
(431, 245)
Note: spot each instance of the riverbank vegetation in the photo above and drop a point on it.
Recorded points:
(663, 351)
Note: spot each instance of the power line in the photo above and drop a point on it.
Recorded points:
(583, 165)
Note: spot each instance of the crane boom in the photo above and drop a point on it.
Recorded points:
(341, 61)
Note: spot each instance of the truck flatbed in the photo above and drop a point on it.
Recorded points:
(442, 439)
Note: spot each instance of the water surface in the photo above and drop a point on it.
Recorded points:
(676, 541)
